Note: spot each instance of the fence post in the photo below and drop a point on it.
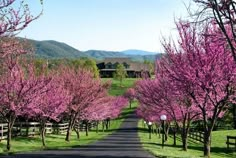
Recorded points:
(227, 142)
(174, 137)
(234, 144)
(1, 131)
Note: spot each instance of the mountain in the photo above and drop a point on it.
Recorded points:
(137, 52)
(99, 54)
(55, 49)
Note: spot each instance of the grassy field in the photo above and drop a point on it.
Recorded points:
(218, 149)
(115, 87)
(53, 141)
(22, 144)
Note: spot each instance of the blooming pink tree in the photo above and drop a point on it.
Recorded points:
(130, 94)
(84, 89)
(158, 97)
(195, 79)
(52, 102)
(11, 50)
(104, 109)
(223, 12)
(97, 110)
(202, 64)
(15, 16)
(19, 91)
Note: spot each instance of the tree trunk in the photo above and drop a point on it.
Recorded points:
(21, 129)
(207, 144)
(68, 133)
(166, 130)
(174, 144)
(102, 126)
(43, 132)
(150, 131)
(185, 131)
(86, 128)
(10, 124)
(107, 124)
(184, 139)
(71, 125)
(96, 126)
(27, 128)
(156, 131)
(9, 136)
(77, 132)
(130, 104)
(207, 135)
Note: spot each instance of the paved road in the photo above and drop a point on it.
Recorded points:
(123, 143)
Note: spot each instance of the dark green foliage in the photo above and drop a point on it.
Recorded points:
(151, 66)
(49, 64)
(120, 73)
(90, 64)
(40, 65)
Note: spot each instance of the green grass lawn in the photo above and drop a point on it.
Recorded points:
(23, 144)
(53, 141)
(116, 89)
(218, 150)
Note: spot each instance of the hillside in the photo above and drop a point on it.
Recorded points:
(137, 52)
(54, 49)
(98, 54)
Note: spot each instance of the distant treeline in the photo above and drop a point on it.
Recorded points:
(89, 64)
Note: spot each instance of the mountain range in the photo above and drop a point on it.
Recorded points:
(55, 49)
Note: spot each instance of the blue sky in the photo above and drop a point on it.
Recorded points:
(106, 24)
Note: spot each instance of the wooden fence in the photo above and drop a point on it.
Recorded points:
(60, 128)
(3, 131)
(82, 126)
(231, 140)
(24, 129)
(197, 135)
(33, 128)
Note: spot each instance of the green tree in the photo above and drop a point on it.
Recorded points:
(76, 63)
(91, 65)
(151, 66)
(120, 73)
(41, 66)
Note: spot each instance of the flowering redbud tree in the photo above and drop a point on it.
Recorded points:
(130, 94)
(223, 12)
(52, 102)
(104, 109)
(15, 16)
(158, 97)
(84, 89)
(202, 64)
(19, 90)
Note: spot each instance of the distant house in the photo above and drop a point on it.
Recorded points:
(134, 69)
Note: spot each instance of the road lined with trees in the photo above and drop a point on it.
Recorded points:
(195, 81)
